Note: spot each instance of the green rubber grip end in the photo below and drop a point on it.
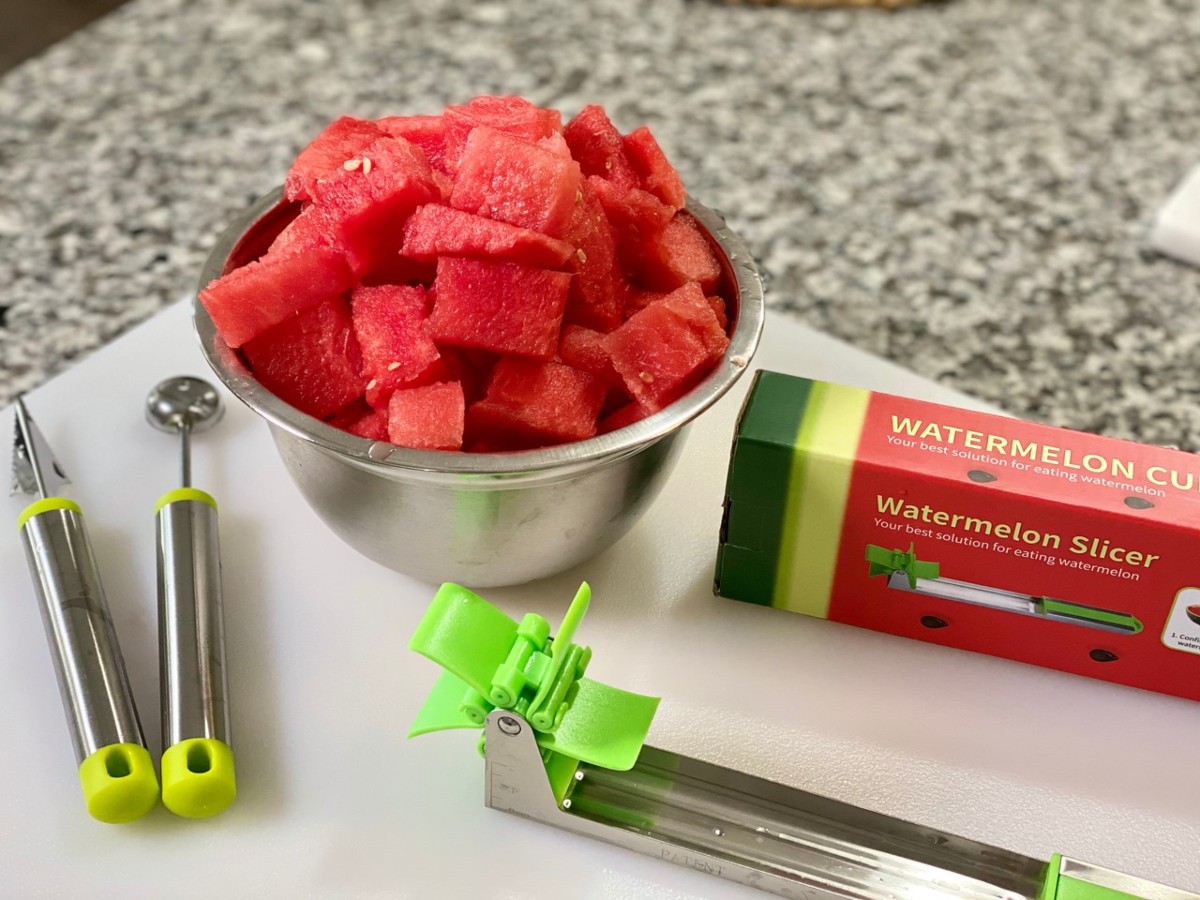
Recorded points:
(198, 778)
(119, 784)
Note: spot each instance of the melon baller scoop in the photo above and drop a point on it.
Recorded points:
(197, 761)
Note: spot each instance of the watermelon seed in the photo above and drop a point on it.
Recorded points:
(578, 196)
(392, 367)
(351, 164)
(371, 384)
(366, 166)
(582, 256)
(739, 362)
(646, 377)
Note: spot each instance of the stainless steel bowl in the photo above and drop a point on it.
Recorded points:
(481, 519)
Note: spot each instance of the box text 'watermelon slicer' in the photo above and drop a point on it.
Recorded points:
(567, 751)
(907, 573)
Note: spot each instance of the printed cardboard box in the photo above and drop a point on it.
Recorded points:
(1038, 544)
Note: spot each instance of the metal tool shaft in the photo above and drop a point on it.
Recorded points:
(194, 686)
(87, 660)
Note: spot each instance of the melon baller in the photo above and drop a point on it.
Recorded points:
(197, 762)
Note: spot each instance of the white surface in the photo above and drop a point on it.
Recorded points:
(1177, 228)
(335, 801)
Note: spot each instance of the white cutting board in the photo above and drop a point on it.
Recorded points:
(333, 799)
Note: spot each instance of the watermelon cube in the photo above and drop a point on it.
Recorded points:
(344, 139)
(680, 255)
(655, 173)
(639, 300)
(389, 323)
(499, 306)
(427, 418)
(426, 132)
(436, 230)
(300, 270)
(666, 348)
(622, 417)
(365, 207)
(511, 115)
(311, 360)
(718, 308)
(583, 349)
(532, 403)
(638, 218)
(398, 269)
(599, 289)
(359, 419)
(597, 146)
(503, 177)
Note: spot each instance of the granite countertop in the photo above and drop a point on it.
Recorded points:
(964, 187)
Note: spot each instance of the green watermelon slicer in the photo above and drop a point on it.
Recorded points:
(905, 572)
(567, 751)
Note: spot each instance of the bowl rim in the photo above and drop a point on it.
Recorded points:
(732, 252)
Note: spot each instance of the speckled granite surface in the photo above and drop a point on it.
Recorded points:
(963, 187)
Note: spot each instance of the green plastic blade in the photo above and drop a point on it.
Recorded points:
(466, 635)
(887, 562)
(443, 707)
(606, 726)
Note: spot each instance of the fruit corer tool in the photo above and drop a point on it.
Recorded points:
(567, 751)
(904, 572)
(115, 769)
(198, 778)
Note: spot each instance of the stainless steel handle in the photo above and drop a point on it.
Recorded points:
(191, 632)
(87, 660)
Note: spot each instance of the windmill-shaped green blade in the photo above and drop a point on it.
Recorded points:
(492, 661)
(887, 562)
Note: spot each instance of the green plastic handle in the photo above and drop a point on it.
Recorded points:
(1075, 612)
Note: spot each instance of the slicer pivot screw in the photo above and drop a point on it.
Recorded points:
(509, 725)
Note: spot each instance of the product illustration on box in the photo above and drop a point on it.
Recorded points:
(904, 572)
(570, 752)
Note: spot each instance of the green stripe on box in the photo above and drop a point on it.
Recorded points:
(757, 487)
(818, 486)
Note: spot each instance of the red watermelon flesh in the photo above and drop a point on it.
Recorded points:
(655, 173)
(597, 145)
(499, 306)
(693, 308)
(311, 360)
(621, 417)
(344, 139)
(436, 230)
(426, 132)
(398, 269)
(530, 403)
(598, 290)
(365, 208)
(638, 219)
(389, 323)
(359, 419)
(291, 278)
(511, 115)
(680, 255)
(639, 300)
(503, 177)
(427, 418)
(583, 349)
(666, 348)
(470, 368)
(718, 308)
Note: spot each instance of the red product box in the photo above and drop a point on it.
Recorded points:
(1024, 541)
